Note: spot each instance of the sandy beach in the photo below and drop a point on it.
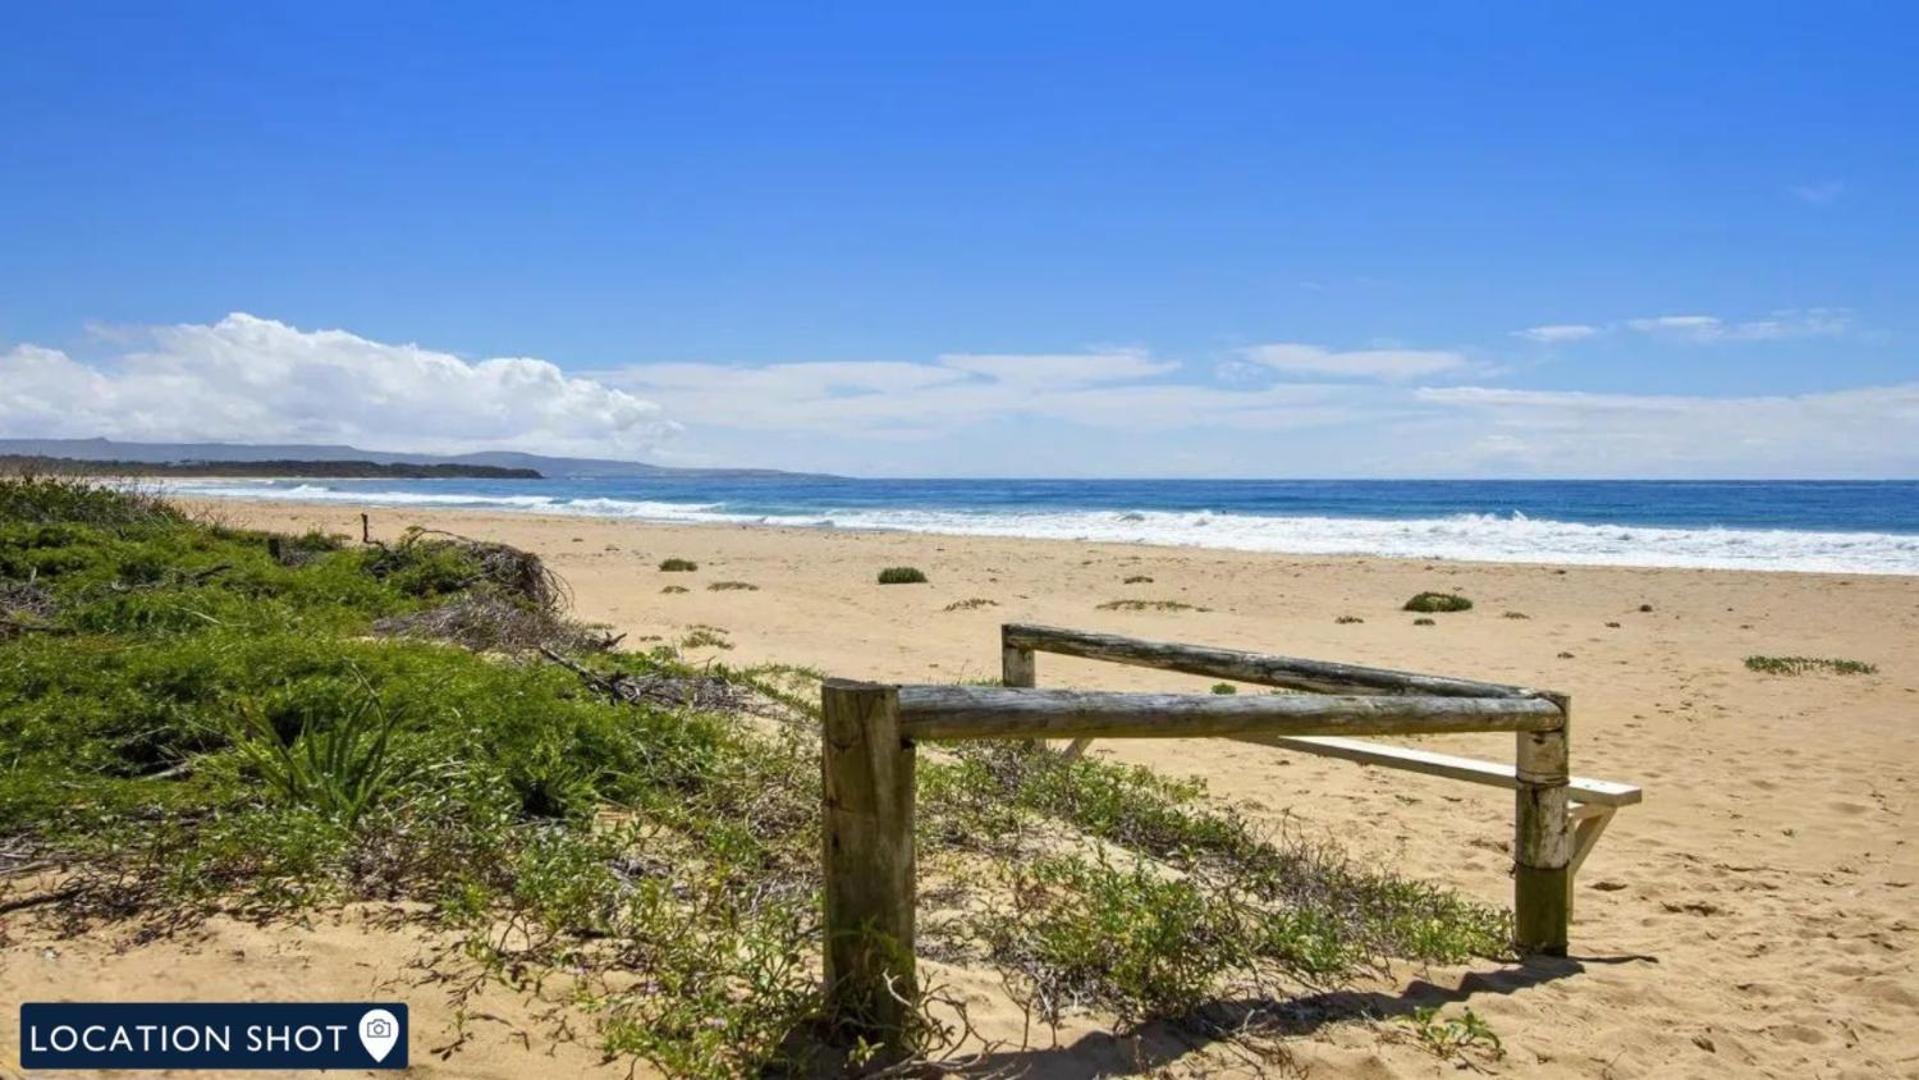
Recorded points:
(1755, 916)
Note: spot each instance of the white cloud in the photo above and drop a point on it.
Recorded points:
(1865, 431)
(1111, 389)
(1557, 333)
(256, 380)
(1060, 370)
(1818, 194)
(1297, 359)
(1100, 412)
(1780, 325)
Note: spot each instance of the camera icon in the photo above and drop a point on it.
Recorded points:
(379, 1029)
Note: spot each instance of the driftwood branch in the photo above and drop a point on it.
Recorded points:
(666, 691)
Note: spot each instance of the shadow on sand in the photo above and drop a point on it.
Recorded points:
(1160, 1043)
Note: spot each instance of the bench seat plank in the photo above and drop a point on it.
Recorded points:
(1472, 770)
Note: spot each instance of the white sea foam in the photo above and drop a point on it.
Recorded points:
(1470, 537)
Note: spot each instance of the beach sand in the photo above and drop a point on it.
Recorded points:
(1756, 916)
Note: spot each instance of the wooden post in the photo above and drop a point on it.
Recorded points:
(868, 827)
(1543, 841)
(1016, 667)
(366, 529)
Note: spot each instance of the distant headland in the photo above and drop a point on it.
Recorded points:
(294, 460)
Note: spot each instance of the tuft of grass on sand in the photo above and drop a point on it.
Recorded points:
(902, 575)
(732, 586)
(674, 589)
(1225, 688)
(678, 566)
(1437, 602)
(970, 603)
(206, 726)
(1515, 615)
(1348, 620)
(1137, 579)
(1424, 622)
(702, 636)
(1150, 605)
(1454, 1039)
(1800, 665)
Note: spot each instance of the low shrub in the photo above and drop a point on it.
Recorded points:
(1436, 602)
(678, 566)
(902, 575)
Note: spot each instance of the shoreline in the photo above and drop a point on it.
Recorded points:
(554, 516)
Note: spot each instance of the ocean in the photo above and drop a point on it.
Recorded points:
(1865, 527)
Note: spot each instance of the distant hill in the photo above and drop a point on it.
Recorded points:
(274, 468)
(155, 453)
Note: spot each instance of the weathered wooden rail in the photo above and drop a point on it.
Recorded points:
(870, 732)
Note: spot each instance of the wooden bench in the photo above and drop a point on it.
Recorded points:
(1591, 803)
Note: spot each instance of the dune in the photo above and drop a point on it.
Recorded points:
(1754, 916)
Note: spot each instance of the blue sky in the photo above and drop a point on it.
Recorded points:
(1078, 239)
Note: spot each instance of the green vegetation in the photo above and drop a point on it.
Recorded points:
(1224, 688)
(902, 575)
(1348, 620)
(970, 603)
(197, 718)
(1800, 665)
(1424, 622)
(1438, 601)
(678, 566)
(670, 589)
(1137, 579)
(1515, 615)
(1450, 1038)
(732, 586)
(703, 636)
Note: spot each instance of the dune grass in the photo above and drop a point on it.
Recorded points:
(1801, 665)
(971, 603)
(197, 724)
(1150, 605)
(678, 566)
(732, 586)
(902, 575)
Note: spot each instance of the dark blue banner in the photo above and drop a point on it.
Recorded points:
(191, 1035)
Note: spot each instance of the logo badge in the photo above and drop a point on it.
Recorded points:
(379, 1030)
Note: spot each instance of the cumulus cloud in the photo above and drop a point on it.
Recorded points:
(248, 379)
(1557, 333)
(1293, 358)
